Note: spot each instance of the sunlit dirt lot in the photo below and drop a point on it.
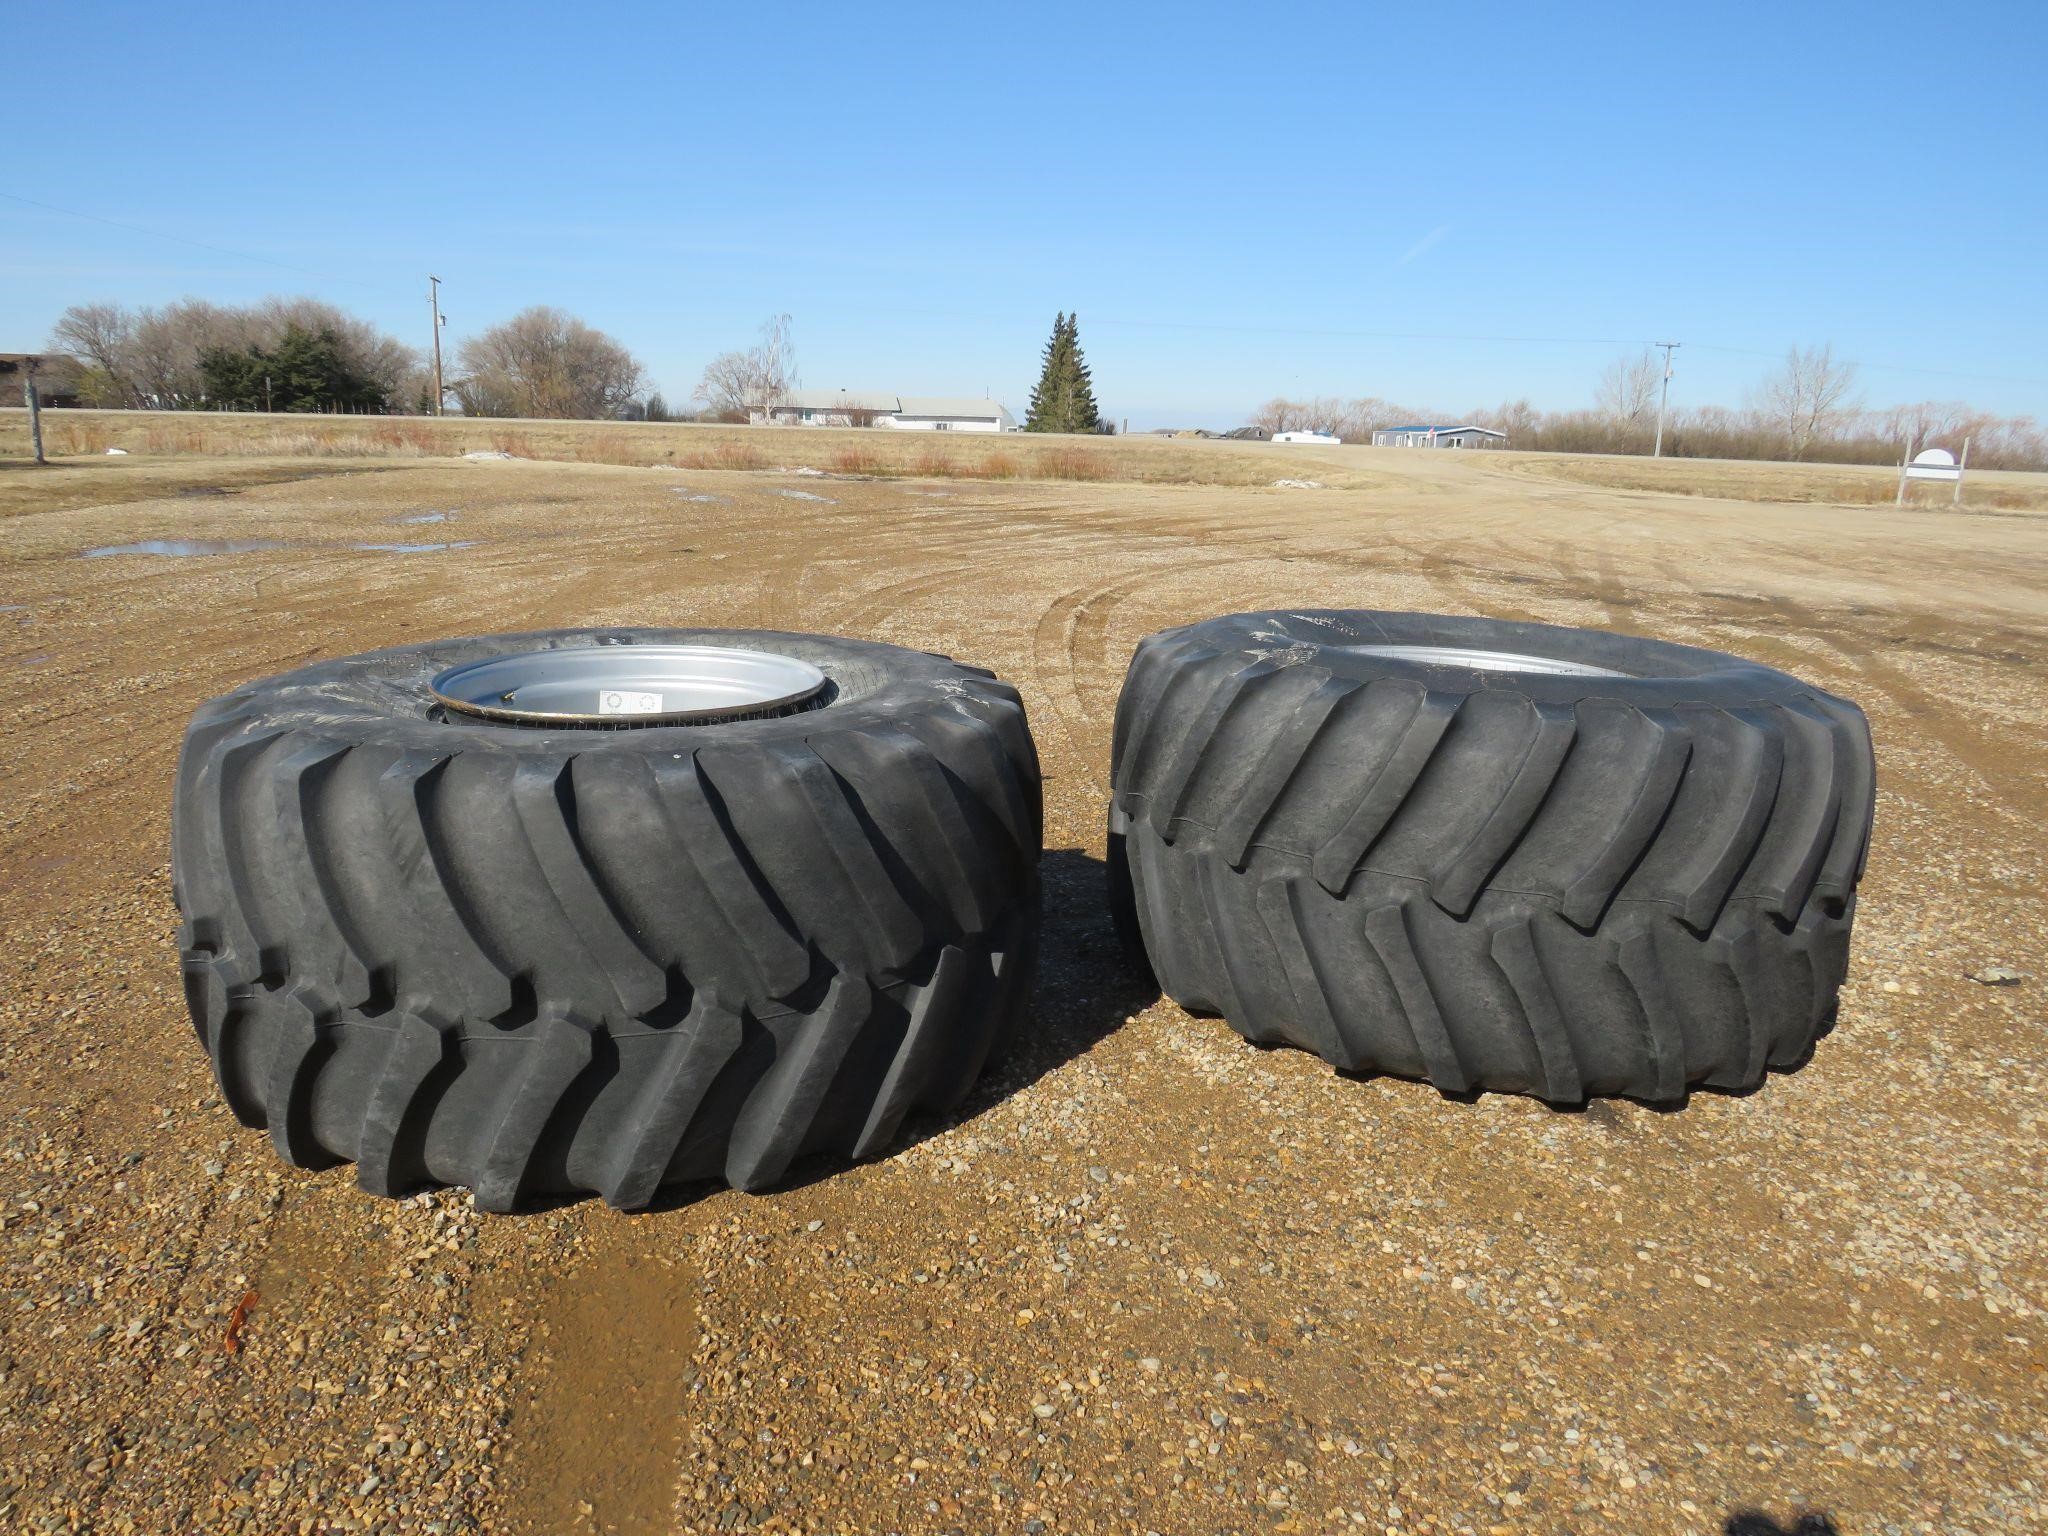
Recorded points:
(1150, 1278)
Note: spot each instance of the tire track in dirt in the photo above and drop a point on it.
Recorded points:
(875, 605)
(1055, 641)
(1070, 644)
(1955, 731)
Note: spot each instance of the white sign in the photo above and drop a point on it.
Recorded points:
(1934, 464)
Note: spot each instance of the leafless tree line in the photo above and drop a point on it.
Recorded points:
(541, 362)
(150, 358)
(1805, 408)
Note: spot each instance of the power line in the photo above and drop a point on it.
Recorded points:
(1932, 373)
(1307, 332)
(1549, 341)
(158, 234)
(1321, 333)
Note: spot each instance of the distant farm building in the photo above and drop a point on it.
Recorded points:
(905, 413)
(57, 380)
(1426, 436)
(1307, 435)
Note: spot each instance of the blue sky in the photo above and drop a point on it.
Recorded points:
(1443, 207)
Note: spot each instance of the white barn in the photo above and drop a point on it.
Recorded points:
(904, 413)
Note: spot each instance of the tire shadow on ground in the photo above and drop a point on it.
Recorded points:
(1087, 985)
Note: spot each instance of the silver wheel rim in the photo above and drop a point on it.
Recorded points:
(1484, 661)
(609, 687)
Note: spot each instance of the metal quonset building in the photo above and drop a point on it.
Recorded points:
(1425, 435)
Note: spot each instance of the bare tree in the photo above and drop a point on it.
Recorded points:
(151, 357)
(741, 384)
(1628, 389)
(98, 336)
(1808, 399)
(1277, 415)
(545, 363)
(1517, 418)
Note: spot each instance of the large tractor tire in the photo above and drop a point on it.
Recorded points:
(1495, 856)
(602, 911)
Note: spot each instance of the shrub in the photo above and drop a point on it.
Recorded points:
(1068, 463)
(78, 437)
(724, 454)
(997, 466)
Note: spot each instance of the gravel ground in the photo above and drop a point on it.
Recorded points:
(1151, 1278)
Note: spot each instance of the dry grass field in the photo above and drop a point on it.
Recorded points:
(1150, 1278)
(962, 455)
(1842, 484)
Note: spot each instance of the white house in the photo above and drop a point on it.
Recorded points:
(1307, 435)
(1423, 435)
(905, 413)
(947, 413)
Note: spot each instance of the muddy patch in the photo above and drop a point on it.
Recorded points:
(182, 549)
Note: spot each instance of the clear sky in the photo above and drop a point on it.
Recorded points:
(1443, 206)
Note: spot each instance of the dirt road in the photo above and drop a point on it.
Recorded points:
(1152, 1278)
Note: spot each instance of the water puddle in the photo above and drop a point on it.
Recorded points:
(183, 548)
(33, 661)
(689, 495)
(806, 496)
(425, 517)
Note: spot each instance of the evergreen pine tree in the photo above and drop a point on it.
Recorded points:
(1044, 413)
(1064, 400)
(1082, 415)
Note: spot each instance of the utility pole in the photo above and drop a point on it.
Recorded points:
(34, 402)
(434, 304)
(1664, 394)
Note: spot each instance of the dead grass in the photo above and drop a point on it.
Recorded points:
(727, 453)
(1737, 480)
(879, 453)
(856, 461)
(884, 454)
(77, 437)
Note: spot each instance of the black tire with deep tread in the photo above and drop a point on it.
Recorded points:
(543, 962)
(1561, 885)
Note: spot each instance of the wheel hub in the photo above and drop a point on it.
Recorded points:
(607, 687)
